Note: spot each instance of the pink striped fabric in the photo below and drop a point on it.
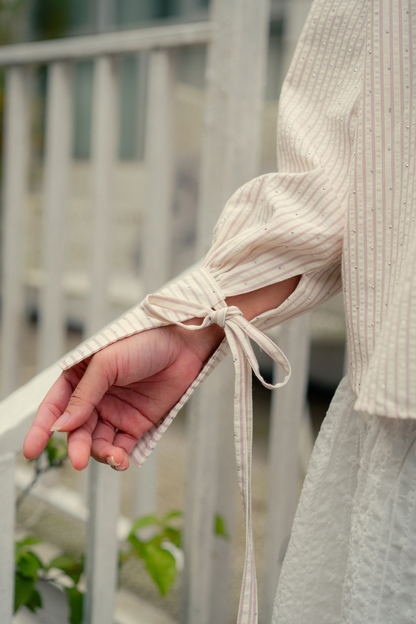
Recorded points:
(343, 202)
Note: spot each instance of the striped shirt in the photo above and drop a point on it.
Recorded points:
(340, 213)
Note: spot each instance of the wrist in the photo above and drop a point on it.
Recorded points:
(202, 342)
(264, 299)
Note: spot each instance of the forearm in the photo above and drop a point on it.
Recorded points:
(258, 301)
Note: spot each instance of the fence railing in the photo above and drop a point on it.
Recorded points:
(236, 39)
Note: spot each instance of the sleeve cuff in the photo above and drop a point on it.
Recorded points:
(197, 287)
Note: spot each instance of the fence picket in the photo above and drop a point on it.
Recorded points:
(57, 161)
(156, 239)
(210, 491)
(287, 411)
(236, 68)
(101, 552)
(15, 158)
(104, 153)
(7, 494)
(159, 170)
(235, 81)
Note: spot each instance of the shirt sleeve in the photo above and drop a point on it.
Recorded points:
(274, 227)
(271, 229)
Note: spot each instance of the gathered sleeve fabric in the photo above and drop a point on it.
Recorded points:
(267, 233)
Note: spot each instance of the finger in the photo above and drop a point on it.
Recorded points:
(80, 441)
(104, 450)
(49, 411)
(111, 447)
(87, 394)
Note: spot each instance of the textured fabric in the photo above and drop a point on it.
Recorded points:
(352, 554)
(348, 110)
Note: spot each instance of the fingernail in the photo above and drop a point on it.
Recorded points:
(112, 461)
(118, 468)
(62, 420)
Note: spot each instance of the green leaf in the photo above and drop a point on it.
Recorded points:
(71, 566)
(173, 535)
(220, 528)
(23, 589)
(145, 521)
(75, 600)
(62, 562)
(57, 452)
(171, 515)
(29, 541)
(35, 601)
(159, 562)
(161, 566)
(136, 543)
(29, 564)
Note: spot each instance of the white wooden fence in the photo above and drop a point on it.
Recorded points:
(237, 40)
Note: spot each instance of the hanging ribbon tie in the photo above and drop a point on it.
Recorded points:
(238, 332)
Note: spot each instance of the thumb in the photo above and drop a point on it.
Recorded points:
(88, 393)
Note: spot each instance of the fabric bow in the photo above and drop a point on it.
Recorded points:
(238, 332)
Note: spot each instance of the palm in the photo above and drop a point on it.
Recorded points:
(117, 396)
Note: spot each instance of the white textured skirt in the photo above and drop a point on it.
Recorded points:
(352, 553)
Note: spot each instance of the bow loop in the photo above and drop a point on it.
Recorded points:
(221, 316)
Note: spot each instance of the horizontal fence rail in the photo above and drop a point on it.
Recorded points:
(127, 42)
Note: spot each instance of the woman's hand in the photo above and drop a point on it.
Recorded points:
(106, 403)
